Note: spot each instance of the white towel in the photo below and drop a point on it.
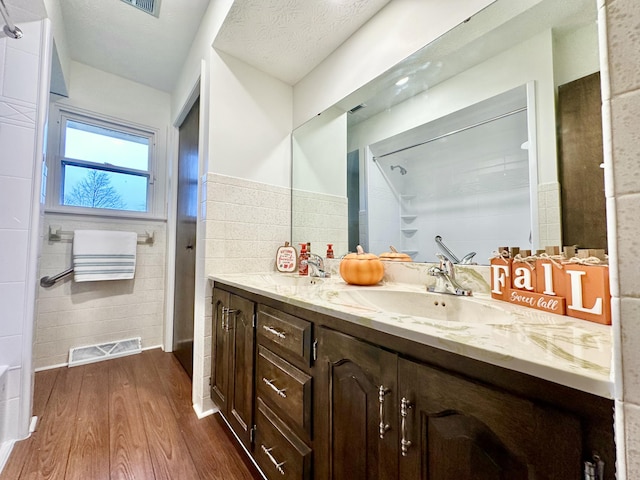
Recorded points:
(103, 255)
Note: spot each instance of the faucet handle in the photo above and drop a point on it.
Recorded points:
(445, 264)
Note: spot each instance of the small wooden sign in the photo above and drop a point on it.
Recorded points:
(548, 303)
(286, 259)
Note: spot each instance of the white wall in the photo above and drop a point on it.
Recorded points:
(574, 56)
(24, 75)
(320, 149)
(71, 314)
(74, 315)
(401, 28)
(61, 66)
(200, 50)
(107, 94)
(250, 123)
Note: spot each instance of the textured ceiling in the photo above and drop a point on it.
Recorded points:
(115, 37)
(288, 38)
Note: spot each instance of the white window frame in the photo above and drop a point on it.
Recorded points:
(156, 191)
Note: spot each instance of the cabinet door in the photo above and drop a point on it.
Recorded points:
(356, 430)
(453, 428)
(220, 352)
(241, 333)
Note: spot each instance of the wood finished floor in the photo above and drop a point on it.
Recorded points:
(126, 418)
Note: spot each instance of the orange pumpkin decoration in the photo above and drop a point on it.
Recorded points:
(361, 268)
(395, 256)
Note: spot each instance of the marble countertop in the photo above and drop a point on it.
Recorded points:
(557, 348)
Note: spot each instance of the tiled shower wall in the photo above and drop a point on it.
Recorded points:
(71, 314)
(246, 222)
(20, 62)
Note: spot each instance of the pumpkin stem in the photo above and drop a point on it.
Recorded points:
(360, 250)
(393, 249)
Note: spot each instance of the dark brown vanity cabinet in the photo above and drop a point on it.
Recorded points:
(232, 361)
(379, 416)
(315, 398)
(355, 410)
(453, 428)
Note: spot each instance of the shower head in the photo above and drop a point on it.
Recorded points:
(403, 171)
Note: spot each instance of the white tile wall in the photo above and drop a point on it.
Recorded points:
(73, 314)
(320, 219)
(549, 223)
(19, 89)
(620, 20)
(246, 222)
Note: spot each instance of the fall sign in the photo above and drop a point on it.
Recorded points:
(573, 289)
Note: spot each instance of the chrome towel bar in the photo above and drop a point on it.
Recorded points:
(56, 234)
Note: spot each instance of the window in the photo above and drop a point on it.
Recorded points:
(102, 166)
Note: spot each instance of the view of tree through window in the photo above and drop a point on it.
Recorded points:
(95, 190)
(105, 168)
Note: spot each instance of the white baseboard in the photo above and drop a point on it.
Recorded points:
(208, 408)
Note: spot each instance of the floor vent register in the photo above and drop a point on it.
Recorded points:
(104, 351)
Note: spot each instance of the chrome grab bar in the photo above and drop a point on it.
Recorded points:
(51, 281)
(466, 260)
(450, 255)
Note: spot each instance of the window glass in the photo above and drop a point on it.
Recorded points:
(93, 188)
(106, 165)
(101, 145)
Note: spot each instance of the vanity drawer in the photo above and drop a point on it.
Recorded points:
(278, 451)
(285, 387)
(291, 333)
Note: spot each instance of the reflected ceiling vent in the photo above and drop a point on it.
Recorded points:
(152, 7)
(357, 107)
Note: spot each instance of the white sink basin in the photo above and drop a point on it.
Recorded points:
(449, 308)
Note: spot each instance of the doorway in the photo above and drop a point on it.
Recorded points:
(185, 257)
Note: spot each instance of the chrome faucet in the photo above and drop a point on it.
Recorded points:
(445, 279)
(316, 266)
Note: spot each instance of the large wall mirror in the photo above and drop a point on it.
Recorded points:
(468, 139)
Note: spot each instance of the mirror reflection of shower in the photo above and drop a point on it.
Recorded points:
(469, 182)
(403, 171)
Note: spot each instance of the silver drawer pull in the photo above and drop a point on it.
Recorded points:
(275, 332)
(279, 391)
(226, 311)
(384, 427)
(267, 452)
(405, 443)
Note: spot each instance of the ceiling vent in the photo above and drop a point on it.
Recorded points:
(357, 107)
(152, 7)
